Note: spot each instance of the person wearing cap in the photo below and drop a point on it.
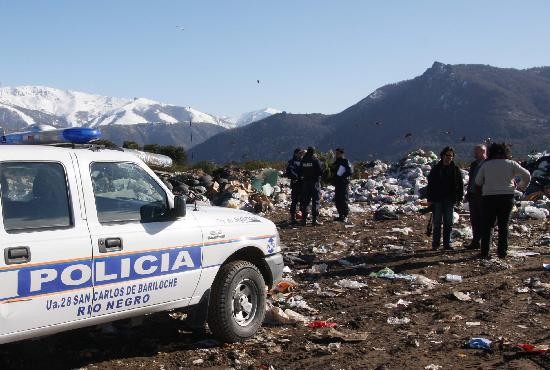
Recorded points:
(310, 176)
(445, 188)
(293, 173)
(473, 196)
(341, 173)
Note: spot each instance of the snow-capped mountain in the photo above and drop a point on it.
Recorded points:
(249, 117)
(141, 120)
(26, 105)
(142, 110)
(62, 107)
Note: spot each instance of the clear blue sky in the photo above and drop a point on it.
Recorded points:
(310, 56)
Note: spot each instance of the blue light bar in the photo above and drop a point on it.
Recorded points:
(80, 135)
(38, 135)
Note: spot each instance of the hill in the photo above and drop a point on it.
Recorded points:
(458, 105)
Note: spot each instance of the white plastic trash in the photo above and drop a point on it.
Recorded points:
(533, 212)
(398, 321)
(352, 284)
(453, 278)
(456, 218)
(267, 189)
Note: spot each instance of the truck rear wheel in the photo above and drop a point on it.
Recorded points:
(237, 302)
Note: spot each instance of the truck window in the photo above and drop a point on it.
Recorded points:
(34, 195)
(121, 189)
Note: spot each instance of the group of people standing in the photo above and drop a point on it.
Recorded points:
(305, 172)
(493, 179)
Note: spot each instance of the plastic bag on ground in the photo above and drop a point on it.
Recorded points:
(398, 321)
(453, 278)
(535, 213)
(295, 316)
(479, 343)
(276, 316)
(387, 273)
(424, 281)
(318, 269)
(351, 284)
(267, 190)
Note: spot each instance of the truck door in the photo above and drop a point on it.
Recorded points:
(45, 248)
(137, 262)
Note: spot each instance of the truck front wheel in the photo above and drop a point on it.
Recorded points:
(237, 302)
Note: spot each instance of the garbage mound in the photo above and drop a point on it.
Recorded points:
(539, 166)
(228, 186)
(387, 190)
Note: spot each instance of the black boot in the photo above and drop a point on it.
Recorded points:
(304, 219)
(316, 222)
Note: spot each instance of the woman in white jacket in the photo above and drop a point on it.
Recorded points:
(496, 177)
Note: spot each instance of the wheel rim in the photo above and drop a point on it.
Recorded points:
(245, 302)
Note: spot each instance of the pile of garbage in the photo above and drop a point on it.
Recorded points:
(536, 203)
(388, 190)
(228, 187)
(539, 165)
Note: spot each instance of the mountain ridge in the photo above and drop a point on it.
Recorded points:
(22, 106)
(459, 105)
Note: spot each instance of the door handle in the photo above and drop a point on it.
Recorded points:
(107, 245)
(15, 255)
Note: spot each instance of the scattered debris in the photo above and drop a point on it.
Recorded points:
(318, 269)
(462, 297)
(351, 284)
(398, 321)
(332, 334)
(479, 343)
(453, 278)
(321, 324)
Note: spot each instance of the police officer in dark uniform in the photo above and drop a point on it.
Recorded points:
(310, 174)
(341, 173)
(293, 173)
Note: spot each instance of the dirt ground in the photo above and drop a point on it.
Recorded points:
(435, 337)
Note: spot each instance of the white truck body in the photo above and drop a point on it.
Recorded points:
(91, 267)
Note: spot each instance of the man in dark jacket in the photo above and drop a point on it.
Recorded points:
(473, 196)
(293, 173)
(445, 188)
(310, 175)
(341, 173)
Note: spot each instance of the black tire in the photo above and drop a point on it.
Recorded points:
(237, 302)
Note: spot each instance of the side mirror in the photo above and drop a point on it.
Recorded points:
(180, 207)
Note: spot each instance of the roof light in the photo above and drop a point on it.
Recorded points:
(47, 135)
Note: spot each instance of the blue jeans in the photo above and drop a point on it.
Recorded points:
(442, 214)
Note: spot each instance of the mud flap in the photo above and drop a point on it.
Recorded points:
(198, 314)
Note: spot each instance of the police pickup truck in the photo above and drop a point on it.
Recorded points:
(89, 236)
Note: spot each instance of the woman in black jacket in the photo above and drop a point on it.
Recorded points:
(445, 188)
